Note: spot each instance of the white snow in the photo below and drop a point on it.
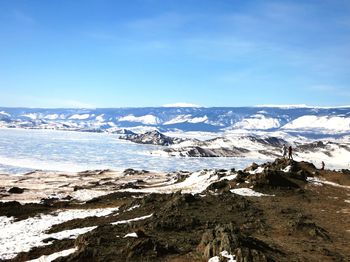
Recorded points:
(195, 183)
(335, 156)
(100, 118)
(186, 118)
(214, 259)
(52, 116)
(131, 220)
(133, 207)
(287, 169)
(31, 116)
(146, 119)
(80, 116)
(180, 104)
(258, 121)
(198, 119)
(316, 181)
(315, 123)
(4, 113)
(247, 192)
(72, 233)
(225, 254)
(87, 194)
(21, 236)
(178, 119)
(259, 169)
(229, 177)
(53, 256)
(229, 256)
(131, 235)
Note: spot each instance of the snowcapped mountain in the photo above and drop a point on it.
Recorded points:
(264, 118)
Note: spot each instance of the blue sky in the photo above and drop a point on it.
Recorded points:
(106, 53)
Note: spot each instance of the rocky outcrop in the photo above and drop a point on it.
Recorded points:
(16, 190)
(197, 151)
(285, 225)
(153, 138)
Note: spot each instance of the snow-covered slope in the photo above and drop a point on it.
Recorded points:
(258, 121)
(146, 119)
(320, 123)
(186, 118)
(218, 119)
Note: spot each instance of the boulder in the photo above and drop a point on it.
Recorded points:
(16, 190)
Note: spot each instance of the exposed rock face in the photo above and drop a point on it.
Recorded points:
(271, 141)
(197, 151)
(124, 132)
(153, 138)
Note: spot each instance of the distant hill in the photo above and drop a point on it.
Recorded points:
(291, 119)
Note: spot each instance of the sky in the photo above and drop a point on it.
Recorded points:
(107, 53)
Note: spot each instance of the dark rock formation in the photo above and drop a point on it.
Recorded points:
(197, 151)
(16, 190)
(153, 138)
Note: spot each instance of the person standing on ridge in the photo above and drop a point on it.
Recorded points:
(290, 152)
(284, 150)
(323, 164)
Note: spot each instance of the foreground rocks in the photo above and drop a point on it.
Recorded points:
(295, 220)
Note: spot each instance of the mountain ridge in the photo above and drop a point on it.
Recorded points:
(213, 119)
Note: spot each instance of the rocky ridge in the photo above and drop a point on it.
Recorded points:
(278, 211)
(152, 138)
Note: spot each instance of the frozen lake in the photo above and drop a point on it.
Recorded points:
(23, 150)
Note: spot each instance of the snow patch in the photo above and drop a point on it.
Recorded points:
(225, 254)
(132, 208)
(80, 117)
(196, 183)
(312, 123)
(52, 116)
(54, 256)
(257, 121)
(247, 192)
(131, 220)
(31, 116)
(87, 194)
(287, 169)
(4, 113)
(186, 118)
(146, 119)
(259, 169)
(131, 235)
(21, 236)
(318, 181)
(100, 118)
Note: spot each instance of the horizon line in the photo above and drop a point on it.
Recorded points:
(287, 106)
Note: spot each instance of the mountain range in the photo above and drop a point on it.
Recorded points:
(314, 120)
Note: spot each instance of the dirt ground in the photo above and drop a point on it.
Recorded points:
(303, 217)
